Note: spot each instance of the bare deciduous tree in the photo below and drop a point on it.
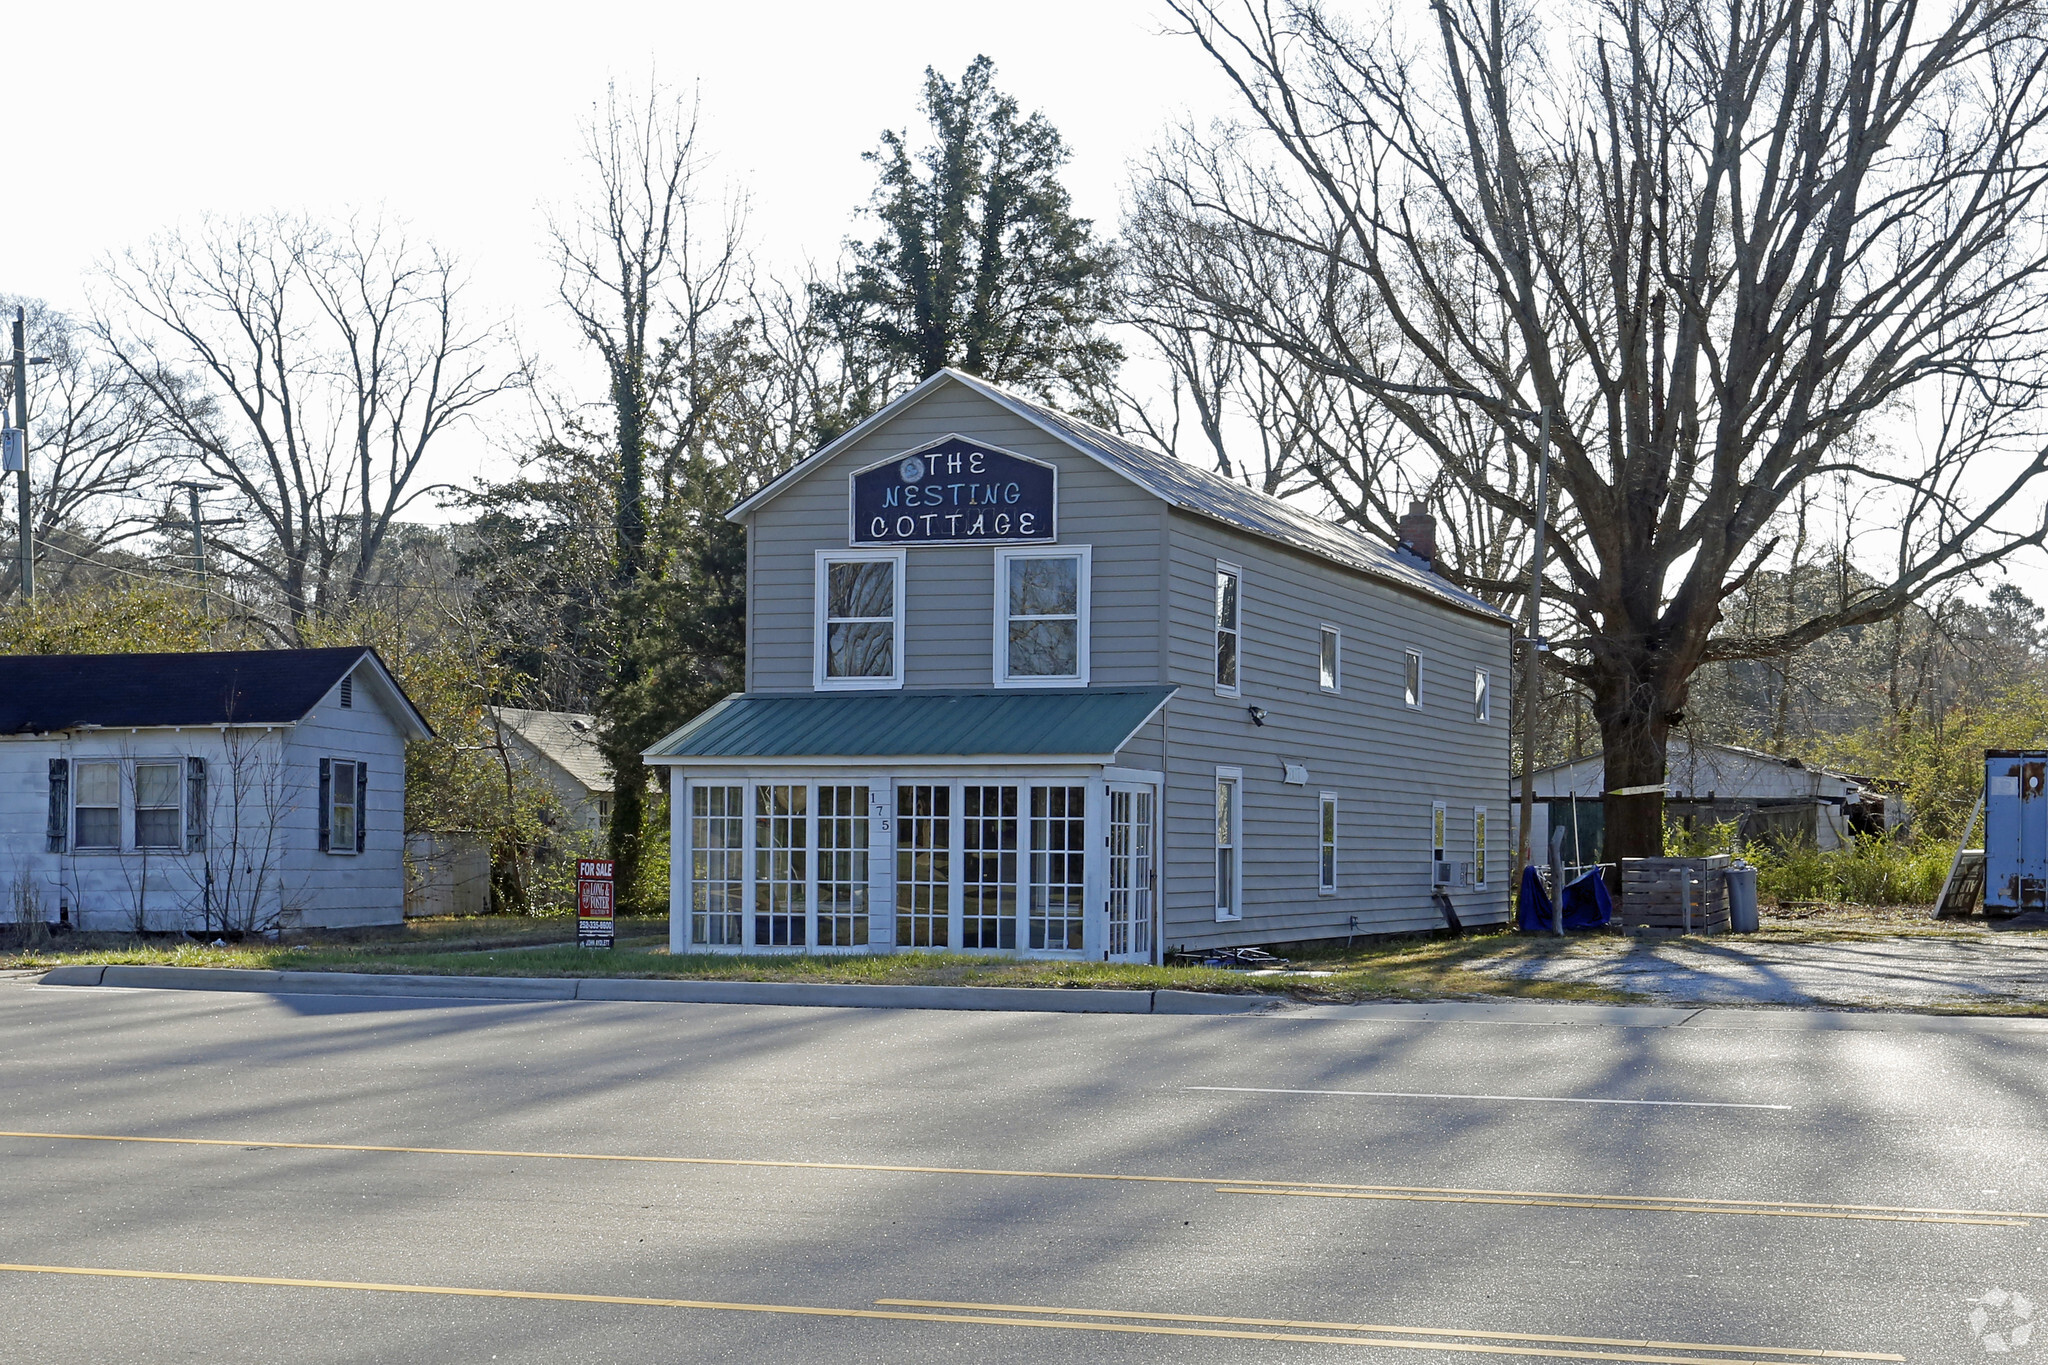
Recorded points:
(92, 449)
(309, 369)
(1733, 249)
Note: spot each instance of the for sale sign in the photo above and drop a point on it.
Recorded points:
(594, 902)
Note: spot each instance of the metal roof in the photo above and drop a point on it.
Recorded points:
(1067, 722)
(1183, 485)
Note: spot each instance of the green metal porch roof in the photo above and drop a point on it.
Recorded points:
(1055, 722)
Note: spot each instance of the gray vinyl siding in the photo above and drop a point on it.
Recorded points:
(1386, 762)
(950, 590)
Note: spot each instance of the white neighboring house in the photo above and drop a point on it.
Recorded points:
(560, 747)
(1764, 795)
(239, 790)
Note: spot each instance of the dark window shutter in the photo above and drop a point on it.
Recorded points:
(326, 782)
(195, 804)
(60, 804)
(362, 802)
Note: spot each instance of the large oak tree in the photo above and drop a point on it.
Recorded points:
(1744, 251)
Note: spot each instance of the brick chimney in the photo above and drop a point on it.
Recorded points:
(1418, 533)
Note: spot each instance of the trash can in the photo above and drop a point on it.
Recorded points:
(1742, 916)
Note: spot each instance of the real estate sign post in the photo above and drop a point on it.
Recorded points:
(594, 903)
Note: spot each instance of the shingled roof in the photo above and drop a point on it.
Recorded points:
(45, 693)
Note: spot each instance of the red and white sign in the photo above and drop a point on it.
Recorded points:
(594, 902)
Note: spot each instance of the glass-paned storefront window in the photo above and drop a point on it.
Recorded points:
(924, 865)
(1058, 876)
(781, 864)
(842, 867)
(717, 865)
(988, 827)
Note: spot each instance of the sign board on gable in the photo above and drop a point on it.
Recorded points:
(594, 902)
(955, 492)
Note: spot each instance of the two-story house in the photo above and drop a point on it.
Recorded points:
(1015, 684)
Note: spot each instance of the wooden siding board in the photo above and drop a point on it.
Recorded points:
(950, 590)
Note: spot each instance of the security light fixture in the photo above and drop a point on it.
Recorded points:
(1258, 714)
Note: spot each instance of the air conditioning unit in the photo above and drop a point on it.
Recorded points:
(1468, 874)
(1439, 872)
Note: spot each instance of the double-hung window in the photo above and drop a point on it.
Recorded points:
(859, 623)
(1229, 583)
(1331, 661)
(344, 805)
(1229, 839)
(159, 811)
(1042, 617)
(1482, 695)
(1326, 866)
(1411, 679)
(96, 807)
(1479, 846)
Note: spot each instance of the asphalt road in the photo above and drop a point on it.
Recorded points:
(782, 1261)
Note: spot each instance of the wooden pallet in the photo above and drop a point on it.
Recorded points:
(1675, 895)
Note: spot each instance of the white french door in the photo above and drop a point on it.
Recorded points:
(1132, 882)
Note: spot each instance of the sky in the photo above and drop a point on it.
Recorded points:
(463, 120)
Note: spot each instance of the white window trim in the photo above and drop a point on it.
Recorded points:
(132, 792)
(1483, 684)
(1480, 818)
(1415, 654)
(125, 805)
(1336, 683)
(1000, 659)
(1329, 800)
(1234, 912)
(819, 595)
(1235, 689)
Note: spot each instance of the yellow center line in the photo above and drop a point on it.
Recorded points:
(1381, 1327)
(803, 1310)
(1652, 1202)
(1635, 1206)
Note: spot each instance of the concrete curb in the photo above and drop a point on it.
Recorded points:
(1008, 998)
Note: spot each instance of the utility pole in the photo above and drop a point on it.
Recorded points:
(18, 447)
(193, 488)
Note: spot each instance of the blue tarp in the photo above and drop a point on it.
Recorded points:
(1586, 903)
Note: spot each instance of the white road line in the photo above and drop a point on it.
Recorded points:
(1531, 1099)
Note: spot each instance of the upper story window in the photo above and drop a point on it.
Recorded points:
(1229, 584)
(1042, 617)
(1411, 685)
(859, 628)
(1331, 662)
(1482, 695)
